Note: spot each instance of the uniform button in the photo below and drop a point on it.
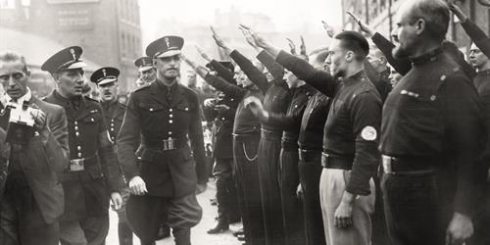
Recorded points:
(433, 97)
(112, 129)
(79, 147)
(170, 121)
(443, 77)
(79, 154)
(76, 123)
(151, 109)
(92, 119)
(222, 118)
(171, 115)
(76, 128)
(169, 132)
(187, 108)
(170, 110)
(77, 134)
(404, 92)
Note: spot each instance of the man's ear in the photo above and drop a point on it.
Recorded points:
(349, 56)
(383, 60)
(420, 25)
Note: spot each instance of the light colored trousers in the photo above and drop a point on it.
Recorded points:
(332, 187)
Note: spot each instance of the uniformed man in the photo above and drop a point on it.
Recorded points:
(163, 117)
(93, 170)
(349, 158)
(246, 136)
(31, 196)
(106, 80)
(222, 110)
(146, 72)
(431, 135)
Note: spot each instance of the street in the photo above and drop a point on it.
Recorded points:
(199, 235)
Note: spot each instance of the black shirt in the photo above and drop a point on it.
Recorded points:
(435, 112)
(353, 122)
(313, 121)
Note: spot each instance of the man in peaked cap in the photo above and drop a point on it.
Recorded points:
(93, 170)
(146, 72)
(163, 116)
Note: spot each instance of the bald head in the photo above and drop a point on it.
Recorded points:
(434, 13)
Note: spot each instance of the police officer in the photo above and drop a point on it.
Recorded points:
(431, 135)
(164, 117)
(222, 111)
(146, 72)
(349, 158)
(93, 170)
(106, 80)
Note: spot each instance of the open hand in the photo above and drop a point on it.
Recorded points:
(137, 186)
(460, 229)
(292, 46)
(219, 41)
(116, 201)
(248, 36)
(363, 26)
(202, 53)
(328, 28)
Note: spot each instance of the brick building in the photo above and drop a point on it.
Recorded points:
(108, 30)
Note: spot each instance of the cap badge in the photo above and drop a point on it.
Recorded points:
(167, 41)
(103, 71)
(72, 51)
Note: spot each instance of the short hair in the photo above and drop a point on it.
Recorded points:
(10, 56)
(354, 42)
(436, 15)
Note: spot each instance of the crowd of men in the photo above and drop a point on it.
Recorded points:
(346, 145)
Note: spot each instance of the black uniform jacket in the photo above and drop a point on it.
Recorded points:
(156, 113)
(353, 122)
(87, 190)
(435, 113)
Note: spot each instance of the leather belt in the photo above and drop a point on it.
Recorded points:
(336, 161)
(408, 166)
(167, 144)
(309, 155)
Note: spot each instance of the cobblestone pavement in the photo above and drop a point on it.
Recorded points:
(199, 235)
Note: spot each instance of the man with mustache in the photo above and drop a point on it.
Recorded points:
(163, 117)
(146, 72)
(93, 171)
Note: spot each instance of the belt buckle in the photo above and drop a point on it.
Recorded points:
(77, 164)
(168, 144)
(387, 169)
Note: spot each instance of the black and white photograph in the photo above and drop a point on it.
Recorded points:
(244, 122)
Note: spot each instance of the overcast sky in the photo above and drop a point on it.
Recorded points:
(284, 13)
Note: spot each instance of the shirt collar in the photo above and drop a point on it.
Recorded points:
(26, 97)
(427, 57)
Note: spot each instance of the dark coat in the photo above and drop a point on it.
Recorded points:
(87, 191)
(44, 158)
(155, 113)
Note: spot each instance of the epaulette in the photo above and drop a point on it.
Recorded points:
(142, 88)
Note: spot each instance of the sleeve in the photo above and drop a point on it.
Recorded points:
(208, 113)
(108, 158)
(58, 149)
(223, 71)
(290, 120)
(197, 144)
(463, 125)
(230, 89)
(128, 140)
(366, 117)
(319, 79)
(276, 69)
(254, 74)
(478, 36)
(402, 66)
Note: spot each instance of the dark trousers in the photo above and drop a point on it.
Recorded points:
(268, 161)
(146, 214)
(247, 182)
(310, 170)
(226, 196)
(21, 221)
(481, 219)
(292, 208)
(415, 212)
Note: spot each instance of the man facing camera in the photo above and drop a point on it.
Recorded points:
(34, 148)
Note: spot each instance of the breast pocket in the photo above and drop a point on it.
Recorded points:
(151, 113)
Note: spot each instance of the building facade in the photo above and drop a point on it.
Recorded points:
(380, 15)
(108, 30)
